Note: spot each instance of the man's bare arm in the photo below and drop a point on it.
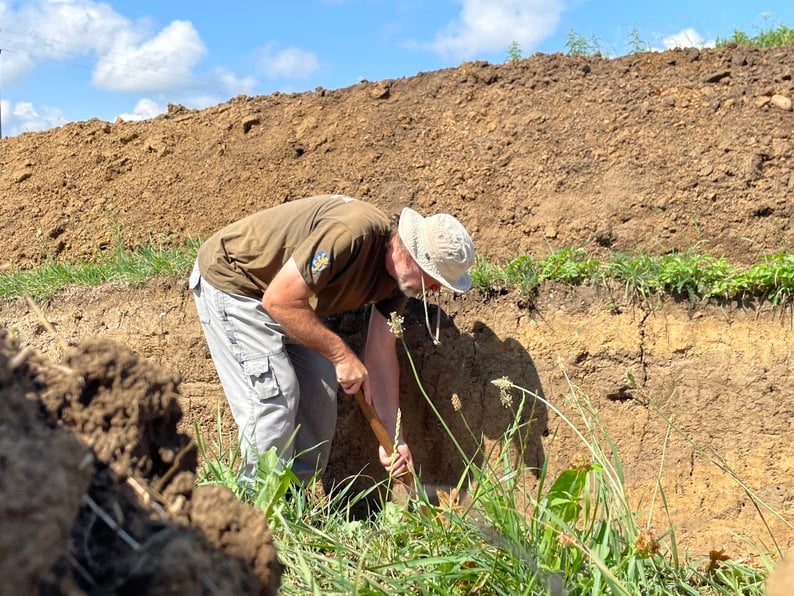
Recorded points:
(380, 358)
(287, 300)
(383, 382)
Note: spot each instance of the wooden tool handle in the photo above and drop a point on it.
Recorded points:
(384, 438)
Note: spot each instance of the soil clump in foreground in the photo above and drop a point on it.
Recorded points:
(649, 152)
(98, 490)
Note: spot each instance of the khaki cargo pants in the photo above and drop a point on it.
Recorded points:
(273, 385)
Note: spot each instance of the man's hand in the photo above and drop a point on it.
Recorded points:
(350, 373)
(399, 463)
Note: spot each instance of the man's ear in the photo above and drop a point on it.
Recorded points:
(405, 257)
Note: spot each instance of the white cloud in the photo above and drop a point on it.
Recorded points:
(492, 25)
(233, 84)
(291, 63)
(143, 110)
(24, 117)
(687, 38)
(127, 56)
(123, 55)
(14, 67)
(225, 81)
(163, 62)
(56, 28)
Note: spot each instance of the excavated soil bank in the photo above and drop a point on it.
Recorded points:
(723, 375)
(648, 152)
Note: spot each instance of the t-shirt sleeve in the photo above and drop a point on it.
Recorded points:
(324, 254)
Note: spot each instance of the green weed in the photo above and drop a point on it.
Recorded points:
(514, 52)
(636, 43)
(579, 45)
(568, 265)
(769, 35)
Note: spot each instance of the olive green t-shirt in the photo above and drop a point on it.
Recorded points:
(339, 245)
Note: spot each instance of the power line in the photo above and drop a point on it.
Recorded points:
(37, 44)
(182, 81)
(185, 82)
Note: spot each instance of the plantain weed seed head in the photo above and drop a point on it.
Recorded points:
(395, 324)
(505, 385)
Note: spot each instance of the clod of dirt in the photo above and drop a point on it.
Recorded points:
(126, 409)
(781, 580)
(247, 537)
(44, 473)
(135, 525)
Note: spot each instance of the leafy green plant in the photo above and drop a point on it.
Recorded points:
(773, 279)
(692, 275)
(636, 43)
(522, 272)
(487, 275)
(769, 35)
(514, 52)
(579, 45)
(568, 265)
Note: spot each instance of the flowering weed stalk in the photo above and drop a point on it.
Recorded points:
(396, 327)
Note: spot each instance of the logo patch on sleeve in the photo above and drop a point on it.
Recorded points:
(320, 262)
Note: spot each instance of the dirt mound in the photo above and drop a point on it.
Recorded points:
(648, 151)
(45, 473)
(98, 486)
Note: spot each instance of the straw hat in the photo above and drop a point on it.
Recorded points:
(440, 245)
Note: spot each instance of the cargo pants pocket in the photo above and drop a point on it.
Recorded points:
(263, 378)
(272, 413)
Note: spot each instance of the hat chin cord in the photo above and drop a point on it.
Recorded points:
(433, 336)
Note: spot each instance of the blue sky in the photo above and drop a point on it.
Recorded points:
(66, 60)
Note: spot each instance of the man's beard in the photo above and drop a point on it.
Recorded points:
(409, 292)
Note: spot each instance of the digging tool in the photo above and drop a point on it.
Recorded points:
(436, 494)
(384, 438)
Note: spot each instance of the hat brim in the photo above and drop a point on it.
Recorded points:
(411, 232)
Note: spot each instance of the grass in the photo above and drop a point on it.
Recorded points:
(689, 274)
(119, 265)
(574, 533)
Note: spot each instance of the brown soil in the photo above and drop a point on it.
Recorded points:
(646, 152)
(98, 490)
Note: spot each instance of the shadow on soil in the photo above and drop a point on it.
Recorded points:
(462, 365)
